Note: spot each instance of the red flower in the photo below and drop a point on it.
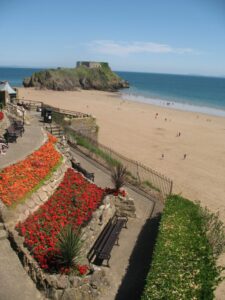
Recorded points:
(82, 269)
(1, 115)
(72, 203)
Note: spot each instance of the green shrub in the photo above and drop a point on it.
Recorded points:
(118, 176)
(69, 244)
(215, 231)
(183, 265)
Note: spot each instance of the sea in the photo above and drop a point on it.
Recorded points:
(184, 92)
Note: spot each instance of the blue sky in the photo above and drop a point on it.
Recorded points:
(165, 36)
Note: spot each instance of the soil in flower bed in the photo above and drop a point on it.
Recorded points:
(72, 204)
(17, 180)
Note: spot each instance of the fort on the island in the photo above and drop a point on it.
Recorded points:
(91, 64)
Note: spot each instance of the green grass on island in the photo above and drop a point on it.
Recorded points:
(101, 78)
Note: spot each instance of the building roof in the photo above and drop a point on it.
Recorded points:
(4, 86)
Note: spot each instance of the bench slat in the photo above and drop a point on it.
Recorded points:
(107, 239)
(99, 241)
(112, 239)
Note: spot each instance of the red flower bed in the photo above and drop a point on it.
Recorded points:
(19, 179)
(73, 203)
(1, 115)
(114, 192)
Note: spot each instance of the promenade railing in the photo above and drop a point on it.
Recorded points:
(145, 178)
(34, 104)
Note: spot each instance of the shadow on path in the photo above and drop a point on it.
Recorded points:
(134, 280)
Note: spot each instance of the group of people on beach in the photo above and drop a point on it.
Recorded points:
(178, 135)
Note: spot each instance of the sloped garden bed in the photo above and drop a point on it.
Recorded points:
(72, 204)
(20, 180)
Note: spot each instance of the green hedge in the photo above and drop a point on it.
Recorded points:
(183, 265)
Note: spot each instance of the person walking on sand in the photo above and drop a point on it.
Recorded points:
(162, 156)
(185, 155)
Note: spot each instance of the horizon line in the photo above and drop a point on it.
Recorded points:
(146, 72)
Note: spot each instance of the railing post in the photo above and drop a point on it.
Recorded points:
(171, 187)
(138, 175)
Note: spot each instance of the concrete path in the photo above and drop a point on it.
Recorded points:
(31, 140)
(15, 283)
(131, 260)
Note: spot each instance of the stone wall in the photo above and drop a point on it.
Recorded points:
(65, 287)
(70, 287)
(22, 211)
(86, 125)
(89, 64)
(4, 123)
(18, 112)
(60, 286)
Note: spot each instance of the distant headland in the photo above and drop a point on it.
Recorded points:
(86, 75)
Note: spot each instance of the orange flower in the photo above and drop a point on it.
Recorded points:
(19, 179)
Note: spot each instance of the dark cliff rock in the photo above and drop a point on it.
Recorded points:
(82, 77)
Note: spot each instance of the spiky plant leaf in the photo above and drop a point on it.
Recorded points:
(69, 245)
(118, 176)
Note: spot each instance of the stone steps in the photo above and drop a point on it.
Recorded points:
(125, 207)
(55, 130)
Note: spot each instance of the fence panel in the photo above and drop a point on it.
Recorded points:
(145, 178)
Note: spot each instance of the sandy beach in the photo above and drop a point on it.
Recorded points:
(132, 129)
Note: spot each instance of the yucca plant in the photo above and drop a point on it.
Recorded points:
(69, 245)
(118, 176)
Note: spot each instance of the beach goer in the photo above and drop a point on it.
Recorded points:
(185, 155)
(156, 115)
(162, 156)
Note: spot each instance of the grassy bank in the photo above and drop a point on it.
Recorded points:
(106, 156)
(184, 260)
(92, 147)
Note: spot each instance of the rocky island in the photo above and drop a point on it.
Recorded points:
(86, 75)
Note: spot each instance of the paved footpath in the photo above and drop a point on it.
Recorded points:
(130, 261)
(15, 283)
(31, 140)
(126, 272)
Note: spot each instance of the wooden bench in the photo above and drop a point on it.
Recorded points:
(107, 239)
(11, 135)
(18, 125)
(77, 166)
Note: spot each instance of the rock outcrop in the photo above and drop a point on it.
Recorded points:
(82, 77)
